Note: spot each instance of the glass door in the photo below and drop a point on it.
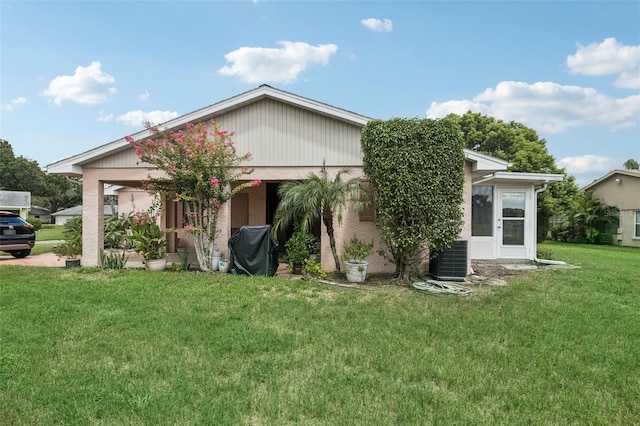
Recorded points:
(512, 221)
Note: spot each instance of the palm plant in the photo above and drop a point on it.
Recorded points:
(318, 196)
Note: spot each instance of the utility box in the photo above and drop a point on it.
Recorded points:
(450, 264)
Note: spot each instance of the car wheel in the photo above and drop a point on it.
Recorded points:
(19, 254)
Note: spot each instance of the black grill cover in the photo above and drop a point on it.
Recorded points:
(253, 251)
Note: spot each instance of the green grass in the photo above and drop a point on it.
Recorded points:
(132, 347)
(50, 234)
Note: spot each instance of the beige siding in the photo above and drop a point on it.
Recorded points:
(277, 135)
(124, 158)
(623, 192)
(281, 135)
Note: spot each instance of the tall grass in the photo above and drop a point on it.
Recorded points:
(560, 346)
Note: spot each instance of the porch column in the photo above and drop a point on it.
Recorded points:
(92, 218)
(224, 229)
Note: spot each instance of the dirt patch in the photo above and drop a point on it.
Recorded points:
(485, 274)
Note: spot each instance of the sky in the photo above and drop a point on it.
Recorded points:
(75, 75)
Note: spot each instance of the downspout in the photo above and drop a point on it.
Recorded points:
(535, 256)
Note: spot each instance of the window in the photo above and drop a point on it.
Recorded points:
(637, 225)
(513, 213)
(482, 211)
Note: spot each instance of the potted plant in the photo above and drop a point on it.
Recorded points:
(70, 250)
(71, 247)
(224, 265)
(353, 255)
(149, 240)
(299, 247)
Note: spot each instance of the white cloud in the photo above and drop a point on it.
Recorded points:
(138, 117)
(13, 103)
(88, 85)
(104, 117)
(378, 25)
(608, 58)
(589, 164)
(282, 65)
(144, 96)
(546, 106)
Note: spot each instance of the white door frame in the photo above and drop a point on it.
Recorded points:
(513, 228)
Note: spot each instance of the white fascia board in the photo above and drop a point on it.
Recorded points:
(485, 163)
(518, 177)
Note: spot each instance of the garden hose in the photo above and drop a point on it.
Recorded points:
(435, 287)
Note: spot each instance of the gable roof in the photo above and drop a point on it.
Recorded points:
(635, 173)
(73, 165)
(77, 211)
(481, 163)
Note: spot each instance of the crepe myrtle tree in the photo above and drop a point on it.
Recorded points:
(200, 164)
(416, 171)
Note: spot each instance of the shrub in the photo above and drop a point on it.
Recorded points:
(37, 223)
(356, 250)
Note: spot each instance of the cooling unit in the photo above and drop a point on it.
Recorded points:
(450, 264)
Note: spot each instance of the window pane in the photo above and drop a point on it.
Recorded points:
(482, 211)
(513, 204)
(637, 225)
(513, 232)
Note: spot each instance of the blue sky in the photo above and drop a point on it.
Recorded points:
(76, 75)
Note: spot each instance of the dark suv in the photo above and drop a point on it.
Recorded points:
(17, 237)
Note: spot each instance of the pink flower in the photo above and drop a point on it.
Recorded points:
(149, 142)
(214, 182)
(256, 182)
(128, 139)
(188, 228)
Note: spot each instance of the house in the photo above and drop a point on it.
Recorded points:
(40, 213)
(63, 216)
(290, 136)
(621, 189)
(16, 201)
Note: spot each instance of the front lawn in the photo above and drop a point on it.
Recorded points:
(86, 346)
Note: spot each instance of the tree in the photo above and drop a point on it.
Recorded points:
(631, 164)
(20, 173)
(61, 192)
(318, 196)
(521, 146)
(200, 164)
(416, 171)
(588, 221)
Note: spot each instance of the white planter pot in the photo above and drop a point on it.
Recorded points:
(155, 264)
(223, 266)
(215, 262)
(356, 272)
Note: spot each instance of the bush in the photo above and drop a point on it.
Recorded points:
(37, 223)
(313, 271)
(356, 250)
(299, 247)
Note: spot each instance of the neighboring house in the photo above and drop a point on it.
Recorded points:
(621, 189)
(290, 136)
(16, 201)
(44, 215)
(63, 216)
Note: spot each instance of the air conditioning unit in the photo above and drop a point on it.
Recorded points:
(450, 264)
